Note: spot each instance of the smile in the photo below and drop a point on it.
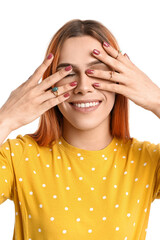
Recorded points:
(86, 107)
(89, 104)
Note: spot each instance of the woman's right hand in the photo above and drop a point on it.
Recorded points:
(31, 99)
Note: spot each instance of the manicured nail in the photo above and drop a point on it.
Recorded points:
(96, 84)
(72, 84)
(95, 51)
(90, 71)
(68, 68)
(127, 55)
(50, 56)
(66, 95)
(106, 44)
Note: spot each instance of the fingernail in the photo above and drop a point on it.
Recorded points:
(50, 56)
(106, 44)
(72, 84)
(95, 51)
(126, 55)
(96, 84)
(66, 95)
(90, 71)
(68, 68)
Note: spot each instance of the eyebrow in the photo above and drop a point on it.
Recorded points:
(76, 67)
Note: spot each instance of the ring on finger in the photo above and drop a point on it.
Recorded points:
(119, 51)
(111, 75)
(55, 91)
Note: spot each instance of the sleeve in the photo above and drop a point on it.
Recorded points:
(11, 152)
(156, 192)
(6, 172)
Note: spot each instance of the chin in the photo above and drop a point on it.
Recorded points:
(85, 125)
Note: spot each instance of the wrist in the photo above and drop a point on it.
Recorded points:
(156, 105)
(5, 124)
(5, 130)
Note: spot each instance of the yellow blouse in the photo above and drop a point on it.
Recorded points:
(67, 193)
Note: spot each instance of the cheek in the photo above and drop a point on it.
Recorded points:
(110, 98)
(62, 108)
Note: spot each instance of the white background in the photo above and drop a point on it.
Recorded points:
(28, 26)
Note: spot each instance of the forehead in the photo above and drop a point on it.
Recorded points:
(79, 48)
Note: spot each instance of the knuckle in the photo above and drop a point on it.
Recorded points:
(47, 80)
(29, 77)
(12, 93)
(115, 64)
(37, 70)
(66, 87)
(15, 91)
(45, 64)
(62, 73)
(41, 68)
(27, 82)
(60, 99)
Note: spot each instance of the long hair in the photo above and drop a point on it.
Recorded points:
(50, 123)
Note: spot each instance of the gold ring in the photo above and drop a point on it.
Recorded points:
(55, 91)
(119, 51)
(111, 73)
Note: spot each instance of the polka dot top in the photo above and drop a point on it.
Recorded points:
(64, 192)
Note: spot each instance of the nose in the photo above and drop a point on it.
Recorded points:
(84, 84)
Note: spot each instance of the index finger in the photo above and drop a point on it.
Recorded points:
(38, 73)
(55, 77)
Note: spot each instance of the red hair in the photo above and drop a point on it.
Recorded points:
(50, 124)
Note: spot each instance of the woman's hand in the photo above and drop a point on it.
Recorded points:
(32, 99)
(127, 79)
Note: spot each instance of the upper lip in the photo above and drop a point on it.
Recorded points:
(86, 101)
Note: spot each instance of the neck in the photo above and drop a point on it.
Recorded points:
(91, 139)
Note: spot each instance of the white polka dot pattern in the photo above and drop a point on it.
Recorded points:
(61, 188)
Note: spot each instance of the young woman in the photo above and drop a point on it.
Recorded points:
(80, 175)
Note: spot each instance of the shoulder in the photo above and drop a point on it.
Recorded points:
(143, 148)
(146, 146)
(25, 140)
(17, 145)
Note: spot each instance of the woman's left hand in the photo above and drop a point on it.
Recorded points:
(126, 79)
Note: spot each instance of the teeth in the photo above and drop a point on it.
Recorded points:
(85, 105)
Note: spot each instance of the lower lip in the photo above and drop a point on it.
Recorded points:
(86, 109)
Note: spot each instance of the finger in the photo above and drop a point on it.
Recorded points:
(126, 55)
(114, 53)
(112, 87)
(106, 75)
(118, 55)
(54, 78)
(38, 73)
(110, 61)
(61, 91)
(54, 101)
